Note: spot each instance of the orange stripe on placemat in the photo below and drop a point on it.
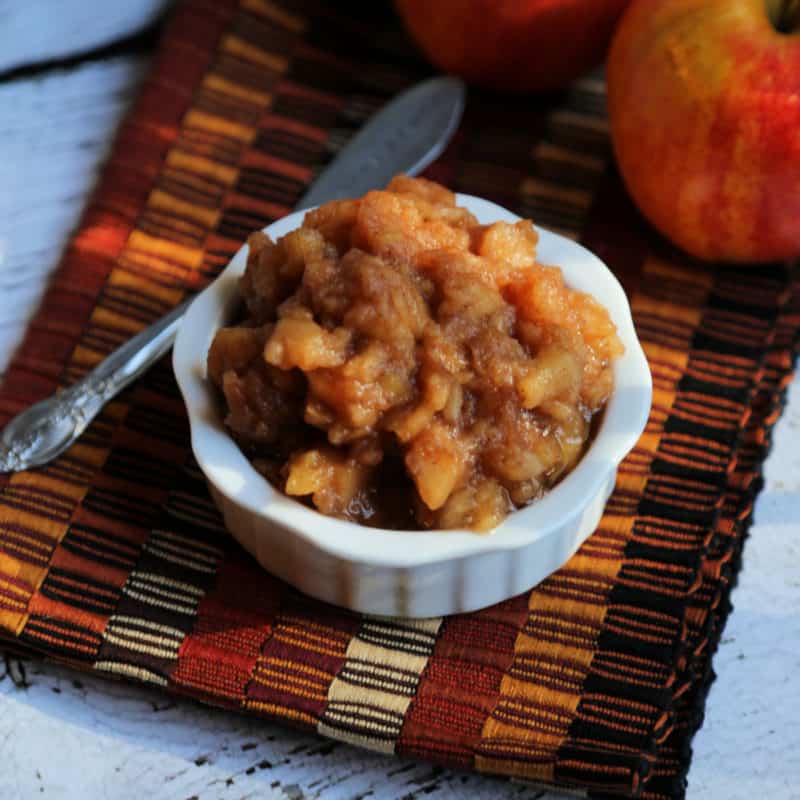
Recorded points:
(42, 506)
(709, 605)
(298, 662)
(532, 715)
(533, 708)
(629, 620)
(223, 634)
(46, 504)
(460, 683)
(156, 255)
(141, 143)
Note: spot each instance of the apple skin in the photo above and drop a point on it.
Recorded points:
(513, 45)
(704, 106)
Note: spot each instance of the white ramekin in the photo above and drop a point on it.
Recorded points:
(412, 573)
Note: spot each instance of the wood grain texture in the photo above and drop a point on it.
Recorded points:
(44, 30)
(123, 742)
(56, 132)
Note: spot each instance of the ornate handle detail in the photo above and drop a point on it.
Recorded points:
(48, 428)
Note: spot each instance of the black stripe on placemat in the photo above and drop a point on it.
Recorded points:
(671, 779)
(711, 472)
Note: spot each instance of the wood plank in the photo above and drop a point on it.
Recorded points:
(43, 30)
(56, 131)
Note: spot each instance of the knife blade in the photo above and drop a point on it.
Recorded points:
(404, 136)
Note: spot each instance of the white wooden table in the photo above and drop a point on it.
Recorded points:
(67, 735)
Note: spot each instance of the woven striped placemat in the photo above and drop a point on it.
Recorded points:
(114, 559)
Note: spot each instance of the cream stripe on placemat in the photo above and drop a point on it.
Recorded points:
(368, 699)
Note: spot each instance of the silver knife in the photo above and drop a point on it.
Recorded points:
(406, 135)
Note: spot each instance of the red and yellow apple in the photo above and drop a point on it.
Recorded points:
(513, 45)
(704, 104)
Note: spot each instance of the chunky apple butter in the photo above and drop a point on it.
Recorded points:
(400, 365)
